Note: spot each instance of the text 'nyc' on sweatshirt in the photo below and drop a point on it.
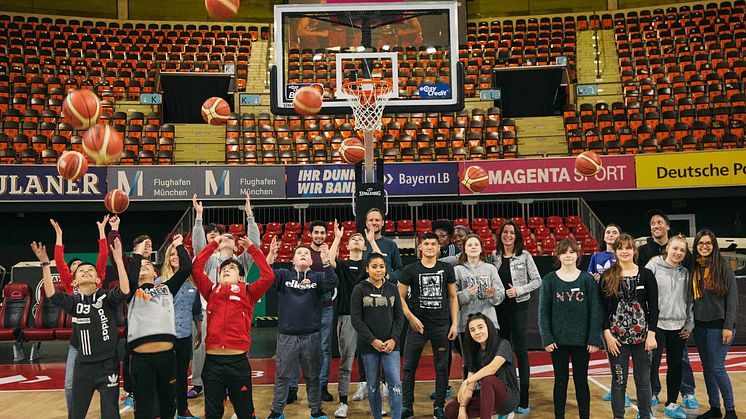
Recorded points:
(299, 299)
(570, 313)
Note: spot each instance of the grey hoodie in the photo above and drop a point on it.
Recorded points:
(484, 275)
(674, 298)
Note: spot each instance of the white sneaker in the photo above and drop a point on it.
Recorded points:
(341, 411)
(362, 391)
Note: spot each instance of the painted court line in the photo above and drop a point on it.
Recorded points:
(606, 389)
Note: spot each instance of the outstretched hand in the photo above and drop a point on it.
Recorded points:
(338, 232)
(245, 242)
(177, 240)
(114, 222)
(247, 206)
(102, 224)
(57, 228)
(197, 205)
(40, 251)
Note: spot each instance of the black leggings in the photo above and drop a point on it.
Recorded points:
(580, 359)
(154, 378)
(183, 348)
(675, 347)
(513, 322)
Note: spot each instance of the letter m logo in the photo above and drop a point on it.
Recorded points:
(214, 186)
(133, 188)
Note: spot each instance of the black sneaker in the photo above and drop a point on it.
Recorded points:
(730, 414)
(292, 395)
(407, 413)
(439, 413)
(713, 413)
(325, 395)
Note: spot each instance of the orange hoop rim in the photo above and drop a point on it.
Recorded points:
(380, 88)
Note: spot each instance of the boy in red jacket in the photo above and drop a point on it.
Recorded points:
(230, 309)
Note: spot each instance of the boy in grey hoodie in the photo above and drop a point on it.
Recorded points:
(675, 321)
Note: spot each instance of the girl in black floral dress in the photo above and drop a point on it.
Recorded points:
(629, 296)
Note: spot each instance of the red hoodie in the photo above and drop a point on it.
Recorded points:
(230, 309)
(66, 277)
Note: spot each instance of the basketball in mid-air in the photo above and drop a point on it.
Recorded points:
(216, 111)
(588, 164)
(307, 101)
(475, 179)
(81, 108)
(222, 9)
(72, 165)
(352, 150)
(116, 201)
(103, 144)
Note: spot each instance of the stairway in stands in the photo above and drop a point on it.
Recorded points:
(541, 136)
(609, 84)
(199, 143)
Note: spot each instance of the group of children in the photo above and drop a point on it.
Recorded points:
(631, 302)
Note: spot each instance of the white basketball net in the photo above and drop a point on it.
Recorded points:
(367, 98)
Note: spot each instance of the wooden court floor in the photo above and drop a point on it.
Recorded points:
(51, 404)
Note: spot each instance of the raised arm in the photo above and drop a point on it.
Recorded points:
(113, 233)
(203, 283)
(266, 275)
(118, 256)
(66, 277)
(185, 266)
(41, 253)
(334, 248)
(199, 239)
(135, 264)
(103, 249)
(252, 229)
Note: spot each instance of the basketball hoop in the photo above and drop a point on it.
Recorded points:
(367, 98)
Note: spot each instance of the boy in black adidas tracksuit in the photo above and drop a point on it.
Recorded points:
(95, 333)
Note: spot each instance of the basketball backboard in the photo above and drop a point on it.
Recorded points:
(413, 46)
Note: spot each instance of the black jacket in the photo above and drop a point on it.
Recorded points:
(647, 295)
(376, 313)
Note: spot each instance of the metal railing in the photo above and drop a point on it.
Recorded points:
(413, 210)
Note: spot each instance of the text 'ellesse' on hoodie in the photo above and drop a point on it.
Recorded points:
(674, 300)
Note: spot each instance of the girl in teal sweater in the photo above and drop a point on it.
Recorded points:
(570, 318)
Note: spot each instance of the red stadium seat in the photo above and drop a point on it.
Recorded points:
(48, 317)
(15, 310)
(404, 226)
(423, 225)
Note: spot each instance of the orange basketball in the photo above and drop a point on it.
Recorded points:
(216, 111)
(72, 165)
(588, 164)
(352, 150)
(103, 144)
(222, 9)
(81, 108)
(116, 201)
(475, 179)
(307, 101)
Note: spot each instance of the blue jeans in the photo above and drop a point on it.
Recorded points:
(327, 315)
(390, 364)
(712, 352)
(72, 353)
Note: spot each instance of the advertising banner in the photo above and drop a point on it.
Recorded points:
(552, 175)
(150, 183)
(686, 170)
(400, 179)
(21, 183)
